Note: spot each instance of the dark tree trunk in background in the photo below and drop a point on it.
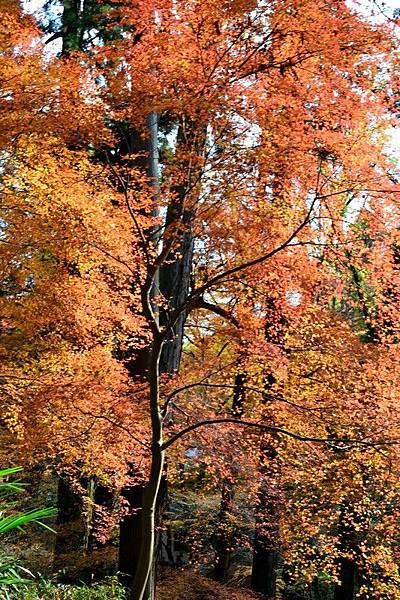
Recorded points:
(130, 527)
(130, 533)
(266, 548)
(104, 499)
(347, 573)
(70, 525)
(346, 588)
(175, 281)
(265, 563)
(238, 395)
(224, 534)
(266, 534)
(176, 272)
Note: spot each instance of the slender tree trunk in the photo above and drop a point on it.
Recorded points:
(150, 495)
(173, 282)
(148, 527)
(131, 525)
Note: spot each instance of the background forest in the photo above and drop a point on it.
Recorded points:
(199, 297)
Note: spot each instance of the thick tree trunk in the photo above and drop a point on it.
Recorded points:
(137, 543)
(266, 547)
(176, 272)
(131, 534)
(175, 281)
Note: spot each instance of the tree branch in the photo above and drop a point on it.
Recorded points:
(217, 309)
(273, 429)
(248, 388)
(198, 293)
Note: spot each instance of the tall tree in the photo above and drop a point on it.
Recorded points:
(253, 92)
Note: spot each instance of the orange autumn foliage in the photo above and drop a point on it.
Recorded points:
(275, 152)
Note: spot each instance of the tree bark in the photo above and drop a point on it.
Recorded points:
(172, 281)
(176, 271)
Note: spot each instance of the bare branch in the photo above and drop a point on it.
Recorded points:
(279, 430)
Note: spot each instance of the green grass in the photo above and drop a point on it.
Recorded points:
(47, 590)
